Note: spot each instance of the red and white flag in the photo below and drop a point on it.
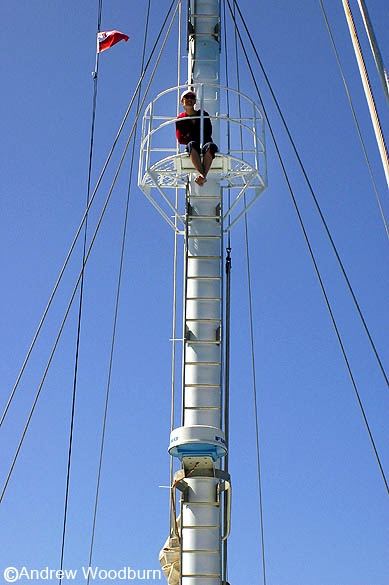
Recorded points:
(108, 38)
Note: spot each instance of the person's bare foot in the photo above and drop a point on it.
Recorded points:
(200, 180)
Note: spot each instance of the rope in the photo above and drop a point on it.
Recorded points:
(84, 218)
(227, 394)
(116, 307)
(310, 188)
(81, 298)
(313, 260)
(354, 116)
(87, 255)
(173, 499)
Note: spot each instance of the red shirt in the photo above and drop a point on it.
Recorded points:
(188, 129)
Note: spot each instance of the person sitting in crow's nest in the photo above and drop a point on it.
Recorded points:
(188, 132)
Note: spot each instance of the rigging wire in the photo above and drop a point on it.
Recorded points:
(87, 256)
(238, 85)
(255, 397)
(95, 77)
(312, 193)
(227, 81)
(312, 256)
(117, 306)
(354, 116)
(20, 374)
(260, 499)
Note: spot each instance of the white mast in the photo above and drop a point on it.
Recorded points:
(192, 554)
(200, 439)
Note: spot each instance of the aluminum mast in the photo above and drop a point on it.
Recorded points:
(200, 441)
(192, 555)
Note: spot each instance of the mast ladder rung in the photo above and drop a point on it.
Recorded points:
(205, 197)
(194, 35)
(209, 576)
(204, 277)
(204, 217)
(202, 341)
(205, 16)
(203, 363)
(209, 551)
(213, 408)
(204, 257)
(202, 385)
(204, 527)
(205, 321)
(204, 237)
(203, 298)
(203, 504)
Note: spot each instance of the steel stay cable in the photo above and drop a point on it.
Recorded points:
(313, 194)
(116, 309)
(251, 323)
(88, 253)
(83, 220)
(238, 85)
(255, 398)
(226, 76)
(354, 116)
(57, 338)
(94, 102)
(314, 261)
(228, 135)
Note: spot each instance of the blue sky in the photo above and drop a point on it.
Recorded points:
(324, 502)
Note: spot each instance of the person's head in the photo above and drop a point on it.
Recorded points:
(188, 98)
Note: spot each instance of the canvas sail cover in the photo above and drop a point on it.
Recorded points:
(169, 557)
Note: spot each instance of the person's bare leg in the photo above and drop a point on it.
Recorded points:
(195, 158)
(207, 162)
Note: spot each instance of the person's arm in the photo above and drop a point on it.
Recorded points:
(182, 135)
